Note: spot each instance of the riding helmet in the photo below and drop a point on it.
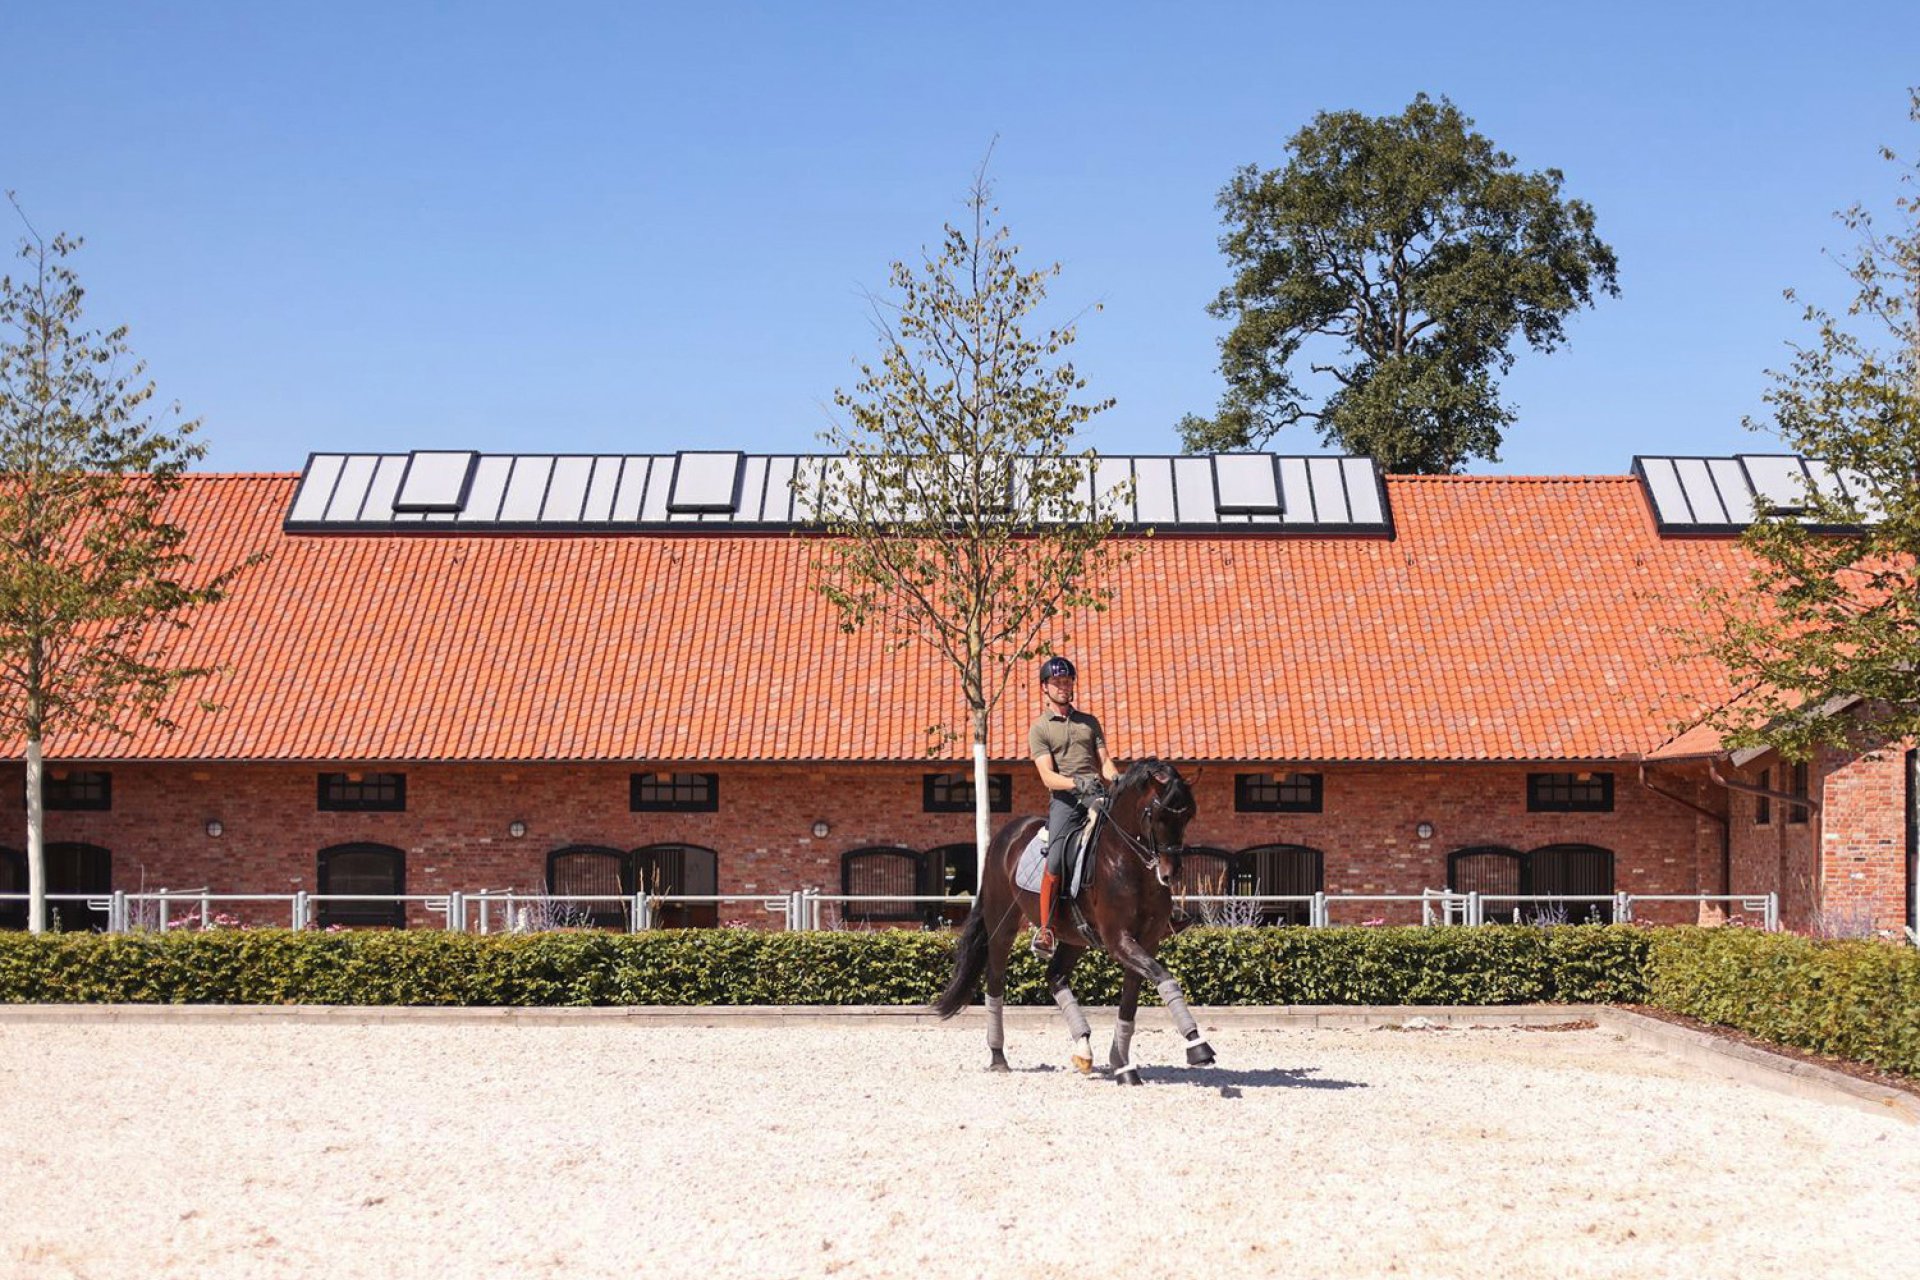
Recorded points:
(1055, 667)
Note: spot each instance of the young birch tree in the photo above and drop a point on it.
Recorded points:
(961, 518)
(1836, 613)
(95, 583)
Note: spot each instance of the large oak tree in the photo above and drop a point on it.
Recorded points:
(1380, 280)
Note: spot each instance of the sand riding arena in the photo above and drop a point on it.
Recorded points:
(188, 1143)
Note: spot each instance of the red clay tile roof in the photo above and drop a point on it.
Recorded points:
(1510, 619)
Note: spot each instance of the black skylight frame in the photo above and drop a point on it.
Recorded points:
(1730, 486)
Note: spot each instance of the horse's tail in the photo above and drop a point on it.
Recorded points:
(969, 962)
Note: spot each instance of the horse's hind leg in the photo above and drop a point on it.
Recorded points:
(1136, 959)
(1058, 970)
(999, 946)
(1120, 1053)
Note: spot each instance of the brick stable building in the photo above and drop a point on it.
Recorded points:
(587, 673)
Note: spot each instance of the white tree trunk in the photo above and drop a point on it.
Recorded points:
(36, 844)
(981, 800)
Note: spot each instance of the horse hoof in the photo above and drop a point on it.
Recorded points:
(1083, 1065)
(1199, 1054)
(1128, 1075)
(999, 1063)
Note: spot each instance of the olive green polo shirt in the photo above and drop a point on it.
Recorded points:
(1073, 740)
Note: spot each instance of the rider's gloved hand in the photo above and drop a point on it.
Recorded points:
(1090, 786)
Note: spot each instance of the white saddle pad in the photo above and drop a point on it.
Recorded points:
(1033, 861)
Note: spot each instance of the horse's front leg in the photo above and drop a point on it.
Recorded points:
(1137, 959)
(1064, 958)
(1120, 1053)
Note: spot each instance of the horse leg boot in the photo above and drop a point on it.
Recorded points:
(997, 1033)
(1120, 1053)
(1199, 1052)
(1058, 972)
(1077, 1027)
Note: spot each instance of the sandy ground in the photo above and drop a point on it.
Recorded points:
(603, 1150)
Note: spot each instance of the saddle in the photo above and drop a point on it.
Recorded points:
(1033, 859)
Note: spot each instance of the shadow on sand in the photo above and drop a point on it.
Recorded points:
(1227, 1081)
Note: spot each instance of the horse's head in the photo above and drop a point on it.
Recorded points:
(1153, 804)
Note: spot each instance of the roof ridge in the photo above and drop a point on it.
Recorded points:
(1604, 479)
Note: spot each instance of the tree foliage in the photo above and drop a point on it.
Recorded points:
(95, 583)
(1396, 258)
(961, 517)
(1832, 609)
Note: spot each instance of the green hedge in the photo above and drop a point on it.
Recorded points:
(1848, 999)
(1858, 1000)
(738, 966)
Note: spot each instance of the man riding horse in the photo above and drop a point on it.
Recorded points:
(1070, 751)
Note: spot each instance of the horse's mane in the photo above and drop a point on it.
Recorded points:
(1140, 773)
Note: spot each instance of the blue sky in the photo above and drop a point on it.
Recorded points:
(637, 228)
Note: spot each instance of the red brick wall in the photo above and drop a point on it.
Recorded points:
(1844, 870)
(455, 829)
(1863, 840)
(1777, 856)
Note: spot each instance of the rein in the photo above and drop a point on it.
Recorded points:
(1149, 852)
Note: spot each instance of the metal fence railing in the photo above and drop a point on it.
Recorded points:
(508, 910)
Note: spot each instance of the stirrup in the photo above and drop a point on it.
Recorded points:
(1043, 943)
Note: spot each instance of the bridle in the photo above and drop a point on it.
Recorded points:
(1150, 851)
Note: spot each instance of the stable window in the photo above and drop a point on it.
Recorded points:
(363, 792)
(84, 789)
(674, 793)
(1277, 793)
(1763, 805)
(953, 793)
(1570, 793)
(1797, 813)
(375, 872)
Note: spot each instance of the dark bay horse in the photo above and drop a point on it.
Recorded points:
(1126, 909)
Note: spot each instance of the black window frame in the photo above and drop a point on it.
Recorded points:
(339, 793)
(1798, 815)
(674, 802)
(80, 791)
(953, 793)
(361, 915)
(1763, 805)
(1540, 787)
(1248, 789)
